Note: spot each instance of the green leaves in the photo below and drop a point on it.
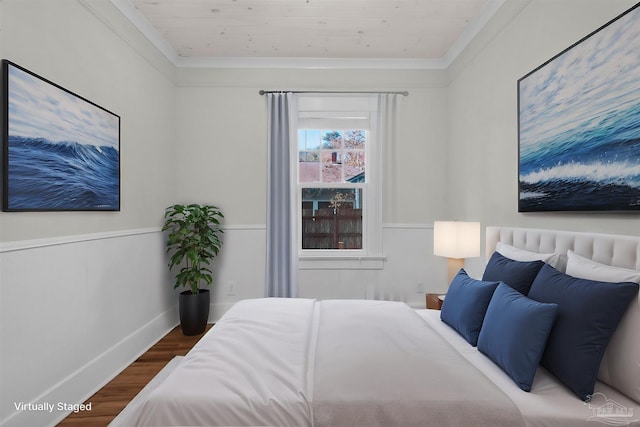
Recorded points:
(193, 240)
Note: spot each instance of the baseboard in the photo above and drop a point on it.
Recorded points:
(93, 375)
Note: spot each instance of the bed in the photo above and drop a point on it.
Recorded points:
(302, 362)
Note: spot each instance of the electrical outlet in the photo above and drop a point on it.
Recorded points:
(231, 289)
(420, 288)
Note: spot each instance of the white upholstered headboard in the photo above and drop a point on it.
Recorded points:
(610, 249)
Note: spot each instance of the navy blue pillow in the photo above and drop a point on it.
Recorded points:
(465, 305)
(517, 274)
(588, 313)
(515, 332)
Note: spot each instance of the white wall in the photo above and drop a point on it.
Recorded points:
(222, 159)
(65, 42)
(483, 116)
(74, 313)
(222, 127)
(83, 294)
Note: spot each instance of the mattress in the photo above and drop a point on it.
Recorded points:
(549, 403)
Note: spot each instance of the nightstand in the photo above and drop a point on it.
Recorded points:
(434, 301)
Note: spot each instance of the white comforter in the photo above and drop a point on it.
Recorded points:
(297, 362)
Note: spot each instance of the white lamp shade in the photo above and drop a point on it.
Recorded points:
(456, 239)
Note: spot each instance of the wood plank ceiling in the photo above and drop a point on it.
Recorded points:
(421, 29)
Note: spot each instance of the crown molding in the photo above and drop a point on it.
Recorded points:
(310, 63)
(145, 27)
(489, 10)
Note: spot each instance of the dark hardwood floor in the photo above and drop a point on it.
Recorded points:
(107, 403)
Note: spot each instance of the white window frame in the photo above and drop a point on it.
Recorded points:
(343, 112)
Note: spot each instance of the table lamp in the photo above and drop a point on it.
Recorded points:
(456, 240)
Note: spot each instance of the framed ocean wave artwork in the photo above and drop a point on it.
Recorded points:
(60, 151)
(579, 124)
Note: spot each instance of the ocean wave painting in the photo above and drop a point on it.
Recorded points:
(579, 124)
(62, 151)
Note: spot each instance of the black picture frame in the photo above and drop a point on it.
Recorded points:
(60, 151)
(579, 124)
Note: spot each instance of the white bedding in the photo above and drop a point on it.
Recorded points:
(378, 364)
(548, 404)
(298, 362)
(250, 369)
(295, 362)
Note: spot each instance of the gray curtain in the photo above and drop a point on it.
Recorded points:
(282, 251)
(386, 137)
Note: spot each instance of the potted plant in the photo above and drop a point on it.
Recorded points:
(193, 241)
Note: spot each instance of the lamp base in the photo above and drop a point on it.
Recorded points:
(453, 267)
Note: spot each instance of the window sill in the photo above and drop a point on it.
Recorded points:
(341, 262)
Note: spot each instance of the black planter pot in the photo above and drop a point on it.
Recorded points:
(194, 311)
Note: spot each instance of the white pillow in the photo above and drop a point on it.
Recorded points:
(557, 261)
(620, 366)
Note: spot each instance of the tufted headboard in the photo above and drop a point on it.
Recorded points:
(610, 249)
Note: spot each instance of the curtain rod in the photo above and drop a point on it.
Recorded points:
(403, 93)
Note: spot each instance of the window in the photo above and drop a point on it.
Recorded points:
(338, 190)
(331, 173)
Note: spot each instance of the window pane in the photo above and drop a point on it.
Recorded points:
(308, 139)
(331, 166)
(331, 218)
(309, 164)
(331, 139)
(354, 166)
(355, 139)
